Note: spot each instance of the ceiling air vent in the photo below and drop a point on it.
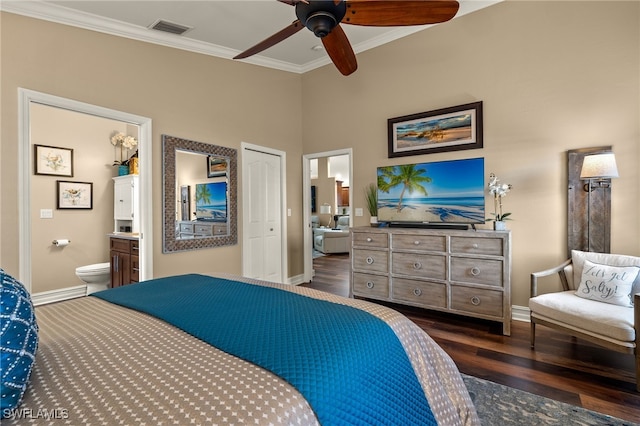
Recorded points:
(169, 27)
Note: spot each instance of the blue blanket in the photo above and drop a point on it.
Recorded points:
(347, 363)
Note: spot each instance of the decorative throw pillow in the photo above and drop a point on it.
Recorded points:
(18, 341)
(578, 258)
(605, 283)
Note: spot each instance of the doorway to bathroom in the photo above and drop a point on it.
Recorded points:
(82, 133)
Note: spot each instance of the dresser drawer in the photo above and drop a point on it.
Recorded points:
(418, 292)
(220, 229)
(364, 239)
(418, 242)
(477, 271)
(419, 265)
(488, 246)
(374, 286)
(186, 227)
(477, 301)
(135, 269)
(120, 244)
(203, 229)
(370, 260)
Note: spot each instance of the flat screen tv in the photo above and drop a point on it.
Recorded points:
(211, 201)
(443, 192)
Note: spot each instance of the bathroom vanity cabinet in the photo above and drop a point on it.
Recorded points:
(125, 264)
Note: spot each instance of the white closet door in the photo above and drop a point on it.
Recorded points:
(263, 215)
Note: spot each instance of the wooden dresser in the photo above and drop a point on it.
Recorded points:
(457, 271)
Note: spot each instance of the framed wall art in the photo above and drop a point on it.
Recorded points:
(216, 166)
(52, 160)
(74, 195)
(447, 129)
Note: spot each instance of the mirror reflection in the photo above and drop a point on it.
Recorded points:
(201, 195)
(200, 198)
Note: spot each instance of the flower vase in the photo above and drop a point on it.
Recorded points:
(499, 225)
(373, 221)
(123, 170)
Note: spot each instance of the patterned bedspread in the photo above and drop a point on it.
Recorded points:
(100, 363)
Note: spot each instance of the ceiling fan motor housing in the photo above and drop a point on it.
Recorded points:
(321, 16)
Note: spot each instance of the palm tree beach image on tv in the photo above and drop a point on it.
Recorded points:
(443, 192)
(211, 201)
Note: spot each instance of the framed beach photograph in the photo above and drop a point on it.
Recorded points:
(53, 160)
(74, 195)
(216, 166)
(447, 129)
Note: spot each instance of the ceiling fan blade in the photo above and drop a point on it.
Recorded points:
(392, 13)
(274, 39)
(340, 51)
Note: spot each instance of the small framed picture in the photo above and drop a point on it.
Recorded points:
(74, 195)
(52, 160)
(216, 166)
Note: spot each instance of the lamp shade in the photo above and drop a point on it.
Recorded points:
(325, 209)
(599, 166)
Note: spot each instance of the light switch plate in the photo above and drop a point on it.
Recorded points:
(46, 214)
(358, 211)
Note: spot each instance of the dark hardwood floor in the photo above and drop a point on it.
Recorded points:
(561, 367)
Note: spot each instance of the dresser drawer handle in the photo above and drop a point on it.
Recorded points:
(475, 245)
(417, 292)
(417, 265)
(475, 271)
(369, 285)
(416, 242)
(369, 260)
(475, 300)
(369, 239)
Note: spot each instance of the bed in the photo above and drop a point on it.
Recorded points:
(101, 362)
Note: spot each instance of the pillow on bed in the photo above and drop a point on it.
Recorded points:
(18, 340)
(605, 283)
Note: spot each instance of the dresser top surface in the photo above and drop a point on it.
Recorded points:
(430, 231)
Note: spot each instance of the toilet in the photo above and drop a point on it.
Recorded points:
(96, 276)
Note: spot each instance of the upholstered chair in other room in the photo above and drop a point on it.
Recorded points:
(599, 301)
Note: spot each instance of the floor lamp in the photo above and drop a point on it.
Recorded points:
(597, 169)
(326, 209)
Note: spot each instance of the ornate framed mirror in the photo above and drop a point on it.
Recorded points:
(199, 195)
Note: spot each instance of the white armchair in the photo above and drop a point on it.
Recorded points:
(599, 301)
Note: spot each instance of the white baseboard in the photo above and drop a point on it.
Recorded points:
(58, 295)
(520, 313)
(296, 280)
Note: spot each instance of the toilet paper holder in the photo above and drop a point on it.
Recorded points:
(60, 243)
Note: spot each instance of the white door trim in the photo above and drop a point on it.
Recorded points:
(306, 203)
(244, 146)
(25, 161)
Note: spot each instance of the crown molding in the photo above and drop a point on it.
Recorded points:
(62, 15)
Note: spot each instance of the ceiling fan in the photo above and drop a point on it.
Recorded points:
(323, 18)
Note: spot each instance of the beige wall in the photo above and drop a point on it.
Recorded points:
(188, 95)
(93, 155)
(553, 76)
